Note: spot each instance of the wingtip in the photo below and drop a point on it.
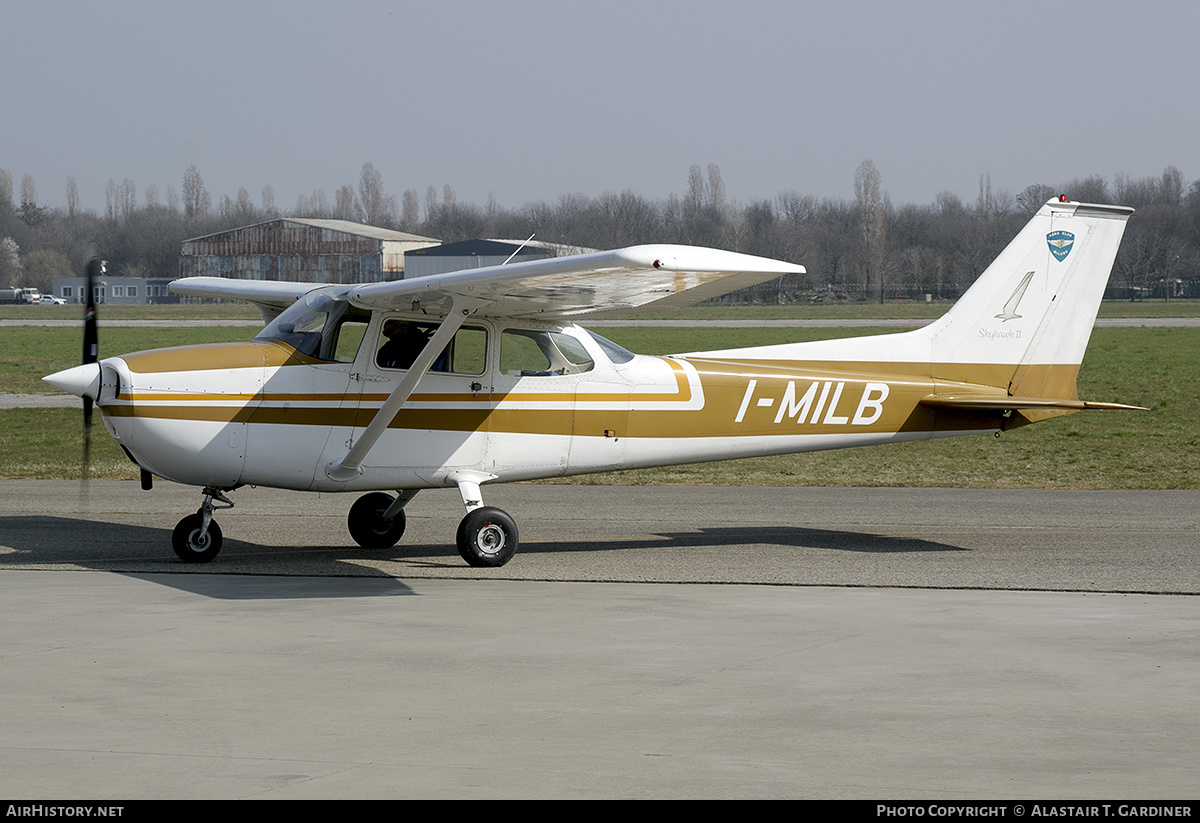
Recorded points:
(700, 258)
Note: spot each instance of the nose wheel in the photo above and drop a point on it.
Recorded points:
(193, 543)
(197, 537)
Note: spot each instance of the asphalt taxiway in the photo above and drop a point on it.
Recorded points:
(645, 642)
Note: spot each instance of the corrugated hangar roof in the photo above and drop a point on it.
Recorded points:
(344, 226)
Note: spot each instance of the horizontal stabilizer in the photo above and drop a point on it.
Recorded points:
(977, 402)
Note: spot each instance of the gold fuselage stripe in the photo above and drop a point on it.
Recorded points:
(843, 388)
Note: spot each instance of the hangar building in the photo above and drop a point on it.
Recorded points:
(302, 250)
(475, 254)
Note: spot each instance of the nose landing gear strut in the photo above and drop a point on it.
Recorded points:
(197, 537)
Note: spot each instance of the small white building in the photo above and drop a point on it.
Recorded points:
(123, 291)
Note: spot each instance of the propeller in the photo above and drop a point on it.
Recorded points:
(91, 350)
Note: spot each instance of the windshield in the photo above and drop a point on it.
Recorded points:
(615, 353)
(309, 322)
(534, 353)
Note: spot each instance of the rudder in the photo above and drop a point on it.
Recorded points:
(1030, 314)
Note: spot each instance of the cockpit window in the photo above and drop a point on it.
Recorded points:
(350, 335)
(404, 340)
(530, 353)
(615, 353)
(321, 324)
(403, 343)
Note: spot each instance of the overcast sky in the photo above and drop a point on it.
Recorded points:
(532, 100)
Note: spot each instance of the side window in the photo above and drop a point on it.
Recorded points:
(349, 338)
(541, 354)
(403, 341)
(468, 351)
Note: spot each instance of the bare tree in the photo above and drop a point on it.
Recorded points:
(410, 217)
(716, 188)
(431, 203)
(239, 211)
(112, 200)
(1172, 186)
(30, 211)
(28, 193)
(872, 224)
(196, 200)
(6, 189)
(697, 192)
(1087, 190)
(42, 267)
(371, 196)
(346, 205)
(72, 197)
(268, 203)
(128, 199)
(10, 261)
(985, 205)
(1034, 197)
(798, 208)
(319, 205)
(703, 207)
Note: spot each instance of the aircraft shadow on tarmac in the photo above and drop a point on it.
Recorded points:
(46, 541)
(101, 545)
(742, 536)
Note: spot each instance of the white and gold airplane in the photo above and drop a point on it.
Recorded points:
(480, 376)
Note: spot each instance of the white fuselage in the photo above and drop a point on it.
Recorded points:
(260, 414)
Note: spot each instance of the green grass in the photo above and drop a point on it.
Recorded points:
(28, 353)
(1150, 308)
(176, 311)
(1157, 368)
(48, 443)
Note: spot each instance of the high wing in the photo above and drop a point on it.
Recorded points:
(270, 297)
(666, 276)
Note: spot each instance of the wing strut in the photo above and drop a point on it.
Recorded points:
(350, 466)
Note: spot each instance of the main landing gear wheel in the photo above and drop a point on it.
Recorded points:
(369, 528)
(191, 546)
(487, 536)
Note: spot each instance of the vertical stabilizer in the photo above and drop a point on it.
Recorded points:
(1034, 307)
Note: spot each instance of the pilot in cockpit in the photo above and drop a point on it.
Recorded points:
(405, 341)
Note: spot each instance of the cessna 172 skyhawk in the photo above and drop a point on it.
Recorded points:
(480, 376)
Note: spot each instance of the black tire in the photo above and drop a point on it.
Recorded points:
(187, 543)
(487, 537)
(368, 526)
